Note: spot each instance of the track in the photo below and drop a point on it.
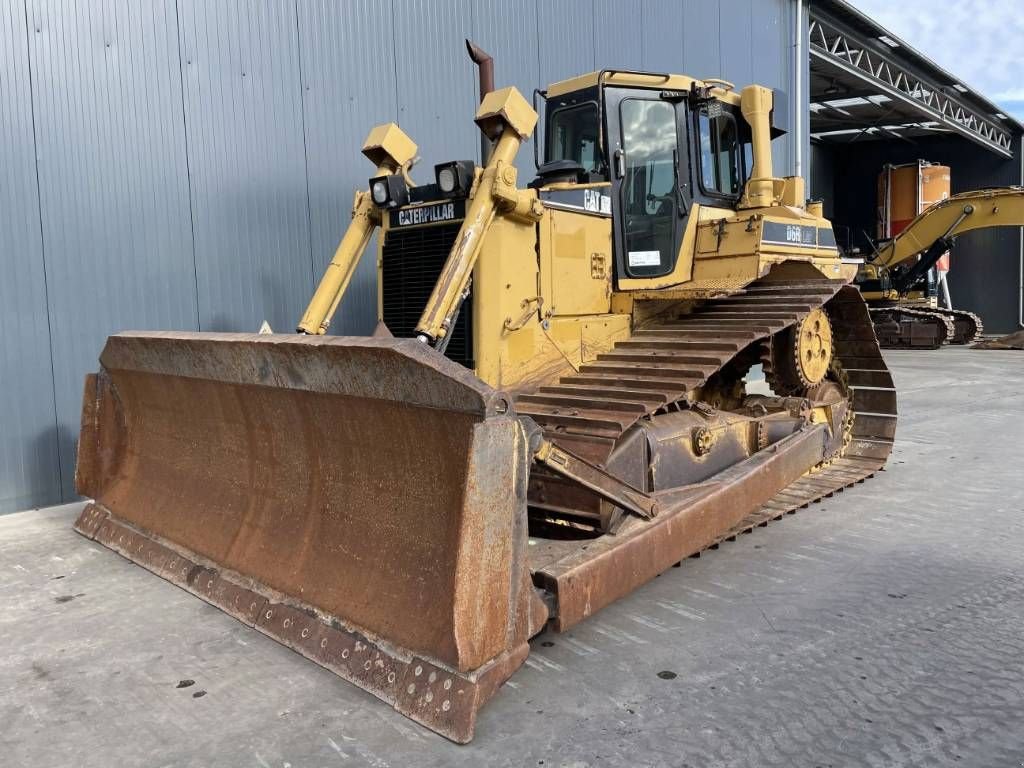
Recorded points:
(874, 425)
(664, 363)
(967, 326)
(900, 327)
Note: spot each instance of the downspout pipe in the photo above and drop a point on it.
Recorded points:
(485, 72)
(1020, 254)
(798, 106)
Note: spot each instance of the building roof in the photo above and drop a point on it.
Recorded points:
(867, 83)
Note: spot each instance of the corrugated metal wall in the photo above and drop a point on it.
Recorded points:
(29, 467)
(190, 164)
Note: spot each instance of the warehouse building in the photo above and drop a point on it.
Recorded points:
(188, 165)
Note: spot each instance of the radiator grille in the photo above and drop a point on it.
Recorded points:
(413, 258)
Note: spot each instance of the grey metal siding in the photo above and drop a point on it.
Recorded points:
(735, 24)
(566, 40)
(437, 92)
(348, 86)
(29, 473)
(618, 34)
(702, 40)
(247, 166)
(113, 184)
(662, 36)
(509, 39)
(771, 38)
(197, 158)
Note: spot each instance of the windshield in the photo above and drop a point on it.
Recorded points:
(574, 136)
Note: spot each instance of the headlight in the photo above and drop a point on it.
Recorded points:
(454, 179)
(389, 191)
(447, 180)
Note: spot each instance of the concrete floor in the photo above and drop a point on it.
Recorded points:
(882, 627)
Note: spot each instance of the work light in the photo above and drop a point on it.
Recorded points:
(389, 191)
(455, 178)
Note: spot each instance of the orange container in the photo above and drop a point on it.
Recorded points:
(906, 190)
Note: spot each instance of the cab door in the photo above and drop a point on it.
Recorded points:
(650, 189)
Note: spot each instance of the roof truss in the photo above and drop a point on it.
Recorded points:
(880, 70)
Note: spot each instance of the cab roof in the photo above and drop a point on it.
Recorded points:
(655, 81)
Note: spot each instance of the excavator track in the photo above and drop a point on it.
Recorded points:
(901, 327)
(967, 326)
(663, 364)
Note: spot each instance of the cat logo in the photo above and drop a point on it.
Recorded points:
(595, 202)
(424, 214)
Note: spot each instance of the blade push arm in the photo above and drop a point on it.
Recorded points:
(506, 116)
(392, 152)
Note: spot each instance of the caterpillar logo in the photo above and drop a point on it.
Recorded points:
(595, 202)
(427, 214)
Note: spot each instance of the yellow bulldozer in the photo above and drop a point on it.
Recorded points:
(894, 280)
(551, 412)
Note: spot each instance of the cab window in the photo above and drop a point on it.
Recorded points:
(719, 150)
(574, 136)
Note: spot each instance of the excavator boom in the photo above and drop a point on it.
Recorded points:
(954, 216)
(902, 263)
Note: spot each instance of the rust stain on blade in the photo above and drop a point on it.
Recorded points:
(374, 480)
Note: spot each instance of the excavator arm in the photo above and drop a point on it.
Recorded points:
(934, 229)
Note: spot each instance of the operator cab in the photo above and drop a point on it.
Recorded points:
(644, 147)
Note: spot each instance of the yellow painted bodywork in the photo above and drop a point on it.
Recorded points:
(545, 295)
(576, 263)
(388, 144)
(505, 107)
(539, 313)
(643, 80)
(722, 251)
(507, 117)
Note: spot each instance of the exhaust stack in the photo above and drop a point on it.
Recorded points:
(485, 73)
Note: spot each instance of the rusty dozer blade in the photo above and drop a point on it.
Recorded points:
(361, 500)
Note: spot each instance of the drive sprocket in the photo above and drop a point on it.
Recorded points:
(799, 356)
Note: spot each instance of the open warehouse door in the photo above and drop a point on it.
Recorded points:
(882, 112)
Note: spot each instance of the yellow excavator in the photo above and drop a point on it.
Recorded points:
(551, 412)
(894, 279)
